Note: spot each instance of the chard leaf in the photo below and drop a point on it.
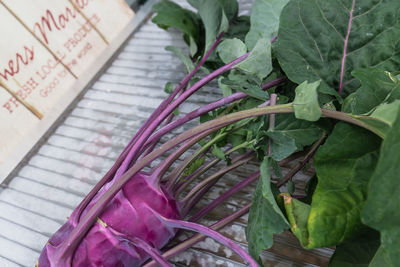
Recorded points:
(264, 20)
(376, 85)
(184, 58)
(297, 213)
(313, 33)
(356, 252)
(344, 166)
(170, 14)
(305, 104)
(259, 62)
(231, 49)
(265, 217)
(381, 210)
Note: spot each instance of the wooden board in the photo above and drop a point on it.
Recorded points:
(50, 50)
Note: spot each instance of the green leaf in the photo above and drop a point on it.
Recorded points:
(376, 85)
(194, 166)
(305, 104)
(184, 58)
(297, 213)
(217, 151)
(259, 62)
(356, 252)
(226, 90)
(230, 7)
(264, 20)
(344, 165)
(303, 132)
(231, 49)
(238, 28)
(312, 36)
(170, 14)
(246, 84)
(212, 16)
(265, 217)
(169, 87)
(381, 259)
(387, 112)
(381, 210)
(291, 135)
(282, 146)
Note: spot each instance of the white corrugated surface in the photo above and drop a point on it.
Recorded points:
(83, 147)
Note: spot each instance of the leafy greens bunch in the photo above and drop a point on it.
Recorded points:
(315, 78)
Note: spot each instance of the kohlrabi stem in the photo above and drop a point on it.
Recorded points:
(122, 159)
(166, 108)
(215, 176)
(90, 217)
(199, 237)
(272, 102)
(207, 108)
(211, 164)
(68, 247)
(236, 188)
(304, 161)
(213, 234)
(175, 174)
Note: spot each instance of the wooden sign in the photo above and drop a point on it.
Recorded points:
(49, 51)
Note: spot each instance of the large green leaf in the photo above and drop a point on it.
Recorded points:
(305, 104)
(344, 165)
(265, 217)
(357, 252)
(264, 20)
(376, 85)
(316, 36)
(382, 210)
(170, 14)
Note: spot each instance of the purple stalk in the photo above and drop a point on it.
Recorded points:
(217, 175)
(136, 148)
(197, 197)
(123, 159)
(199, 172)
(213, 234)
(69, 245)
(199, 237)
(346, 41)
(236, 188)
(207, 108)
